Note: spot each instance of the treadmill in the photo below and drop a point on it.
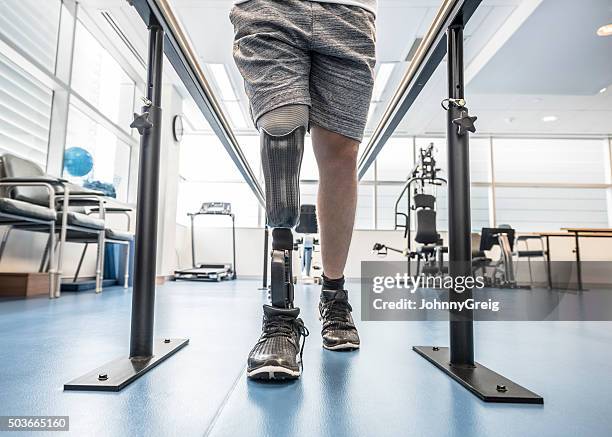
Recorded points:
(210, 272)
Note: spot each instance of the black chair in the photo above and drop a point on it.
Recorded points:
(503, 237)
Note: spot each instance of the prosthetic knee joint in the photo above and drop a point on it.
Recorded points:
(282, 147)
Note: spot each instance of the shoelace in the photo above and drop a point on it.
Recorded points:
(336, 313)
(283, 326)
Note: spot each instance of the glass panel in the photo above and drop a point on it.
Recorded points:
(25, 114)
(395, 160)
(100, 80)
(364, 218)
(548, 209)
(94, 157)
(33, 25)
(387, 196)
(550, 160)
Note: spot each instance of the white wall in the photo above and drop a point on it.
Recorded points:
(172, 104)
(214, 245)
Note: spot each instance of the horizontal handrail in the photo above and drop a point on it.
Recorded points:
(181, 55)
(429, 55)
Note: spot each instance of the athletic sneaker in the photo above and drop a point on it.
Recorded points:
(278, 352)
(339, 331)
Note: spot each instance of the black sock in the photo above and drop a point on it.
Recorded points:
(333, 284)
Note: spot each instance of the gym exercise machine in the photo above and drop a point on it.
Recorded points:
(308, 243)
(210, 272)
(421, 189)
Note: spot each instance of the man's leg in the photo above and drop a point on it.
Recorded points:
(278, 352)
(337, 200)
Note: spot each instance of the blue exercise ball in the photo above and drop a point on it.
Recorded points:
(77, 161)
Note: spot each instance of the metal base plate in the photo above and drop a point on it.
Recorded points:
(117, 374)
(481, 381)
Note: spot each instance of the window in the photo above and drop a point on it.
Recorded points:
(545, 209)
(33, 25)
(395, 160)
(25, 114)
(100, 80)
(103, 162)
(208, 175)
(550, 160)
(364, 218)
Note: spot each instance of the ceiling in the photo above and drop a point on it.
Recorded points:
(525, 60)
(538, 60)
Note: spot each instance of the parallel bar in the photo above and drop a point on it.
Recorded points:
(117, 374)
(483, 382)
(182, 57)
(459, 220)
(144, 355)
(427, 58)
(143, 296)
(457, 361)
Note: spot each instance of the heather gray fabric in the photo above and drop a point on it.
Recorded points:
(369, 5)
(284, 120)
(298, 52)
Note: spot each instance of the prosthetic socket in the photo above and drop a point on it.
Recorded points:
(282, 148)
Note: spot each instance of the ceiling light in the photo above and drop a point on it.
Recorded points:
(605, 30)
(223, 81)
(549, 118)
(603, 90)
(382, 77)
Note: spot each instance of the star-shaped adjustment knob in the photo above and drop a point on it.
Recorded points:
(141, 122)
(465, 123)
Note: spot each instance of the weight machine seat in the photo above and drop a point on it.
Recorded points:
(26, 209)
(426, 232)
(113, 234)
(426, 201)
(82, 220)
(308, 220)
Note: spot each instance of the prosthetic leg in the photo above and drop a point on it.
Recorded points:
(278, 352)
(282, 147)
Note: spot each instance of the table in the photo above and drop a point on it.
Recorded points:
(575, 233)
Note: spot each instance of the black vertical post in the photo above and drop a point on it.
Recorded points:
(191, 229)
(459, 221)
(264, 285)
(457, 361)
(143, 298)
(233, 246)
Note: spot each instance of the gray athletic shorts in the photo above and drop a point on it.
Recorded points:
(304, 52)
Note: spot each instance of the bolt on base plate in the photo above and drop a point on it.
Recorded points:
(480, 380)
(117, 374)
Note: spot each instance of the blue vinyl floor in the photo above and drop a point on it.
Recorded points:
(385, 389)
